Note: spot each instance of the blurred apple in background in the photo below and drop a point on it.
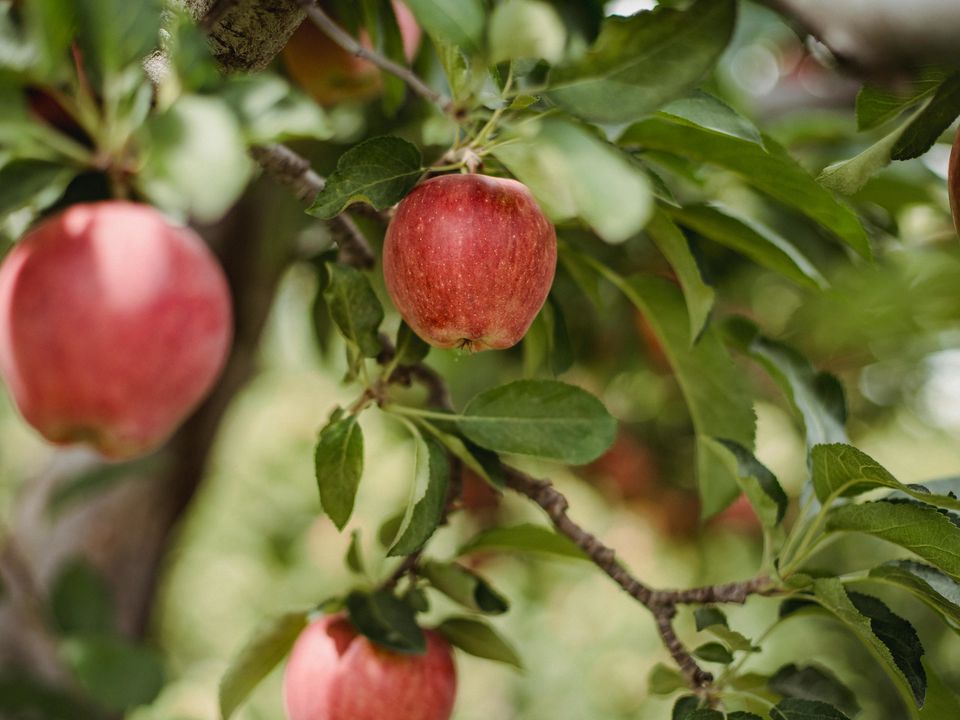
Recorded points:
(330, 74)
(114, 324)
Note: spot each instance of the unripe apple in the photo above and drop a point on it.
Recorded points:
(114, 324)
(330, 74)
(334, 673)
(468, 261)
(953, 182)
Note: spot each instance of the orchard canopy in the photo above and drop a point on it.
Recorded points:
(479, 360)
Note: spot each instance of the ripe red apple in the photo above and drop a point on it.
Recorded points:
(114, 324)
(469, 260)
(953, 183)
(334, 673)
(329, 74)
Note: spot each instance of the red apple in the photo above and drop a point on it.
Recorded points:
(953, 183)
(114, 324)
(334, 673)
(469, 260)
(329, 74)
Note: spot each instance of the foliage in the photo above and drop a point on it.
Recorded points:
(677, 206)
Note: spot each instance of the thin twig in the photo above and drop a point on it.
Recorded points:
(697, 677)
(290, 169)
(294, 171)
(345, 40)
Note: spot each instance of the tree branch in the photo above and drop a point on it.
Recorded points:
(878, 38)
(293, 171)
(345, 40)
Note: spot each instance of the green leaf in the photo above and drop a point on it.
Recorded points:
(522, 538)
(665, 680)
(480, 639)
(32, 183)
(757, 242)
(816, 396)
(379, 171)
(876, 105)
(794, 709)
(464, 587)
(705, 714)
(716, 393)
(195, 162)
(849, 176)
(410, 348)
(354, 557)
(387, 621)
(912, 139)
(927, 531)
(684, 707)
(81, 601)
(890, 638)
(23, 696)
(451, 22)
(354, 307)
(640, 63)
(698, 295)
(117, 673)
(732, 639)
(258, 657)
(813, 682)
(843, 471)
(707, 616)
(271, 110)
(339, 467)
(941, 701)
(115, 34)
(761, 486)
(769, 169)
(743, 715)
(898, 635)
(526, 29)
(937, 589)
(714, 652)
(427, 497)
(710, 113)
(468, 455)
(574, 174)
(924, 129)
(542, 418)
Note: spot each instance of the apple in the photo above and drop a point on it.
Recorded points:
(334, 673)
(953, 182)
(476, 495)
(114, 324)
(629, 467)
(468, 261)
(330, 74)
(739, 517)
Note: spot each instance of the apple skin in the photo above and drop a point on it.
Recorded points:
(469, 260)
(953, 182)
(334, 673)
(331, 75)
(114, 324)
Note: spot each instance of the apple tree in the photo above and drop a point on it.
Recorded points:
(690, 262)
